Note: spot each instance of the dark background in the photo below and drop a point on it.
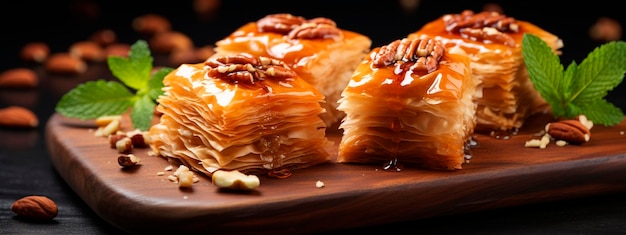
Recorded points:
(61, 23)
(25, 168)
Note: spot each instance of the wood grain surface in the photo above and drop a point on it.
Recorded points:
(501, 173)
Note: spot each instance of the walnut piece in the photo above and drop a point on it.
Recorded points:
(424, 54)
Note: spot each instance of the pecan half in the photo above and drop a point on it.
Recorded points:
(297, 27)
(423, 54)
(281, 23)
(572, 131)
(246, 69)
(488, 26)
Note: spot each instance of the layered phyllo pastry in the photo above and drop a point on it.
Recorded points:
(408, 103)
(504, 93)
(316, 49)
(240, 112)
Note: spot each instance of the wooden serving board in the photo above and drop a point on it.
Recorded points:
(501, 173)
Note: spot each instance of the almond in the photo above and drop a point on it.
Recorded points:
(35, 51)
(87, 50)
(18, 117)
(35, 207)
(151, 24)
(64, 63)
(18, 78)
(170, 41)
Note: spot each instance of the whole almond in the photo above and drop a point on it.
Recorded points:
(19, 78)
(117, 49)
(18, 117)
(104, 37)
(64, 63)
(35, 51)
(170, 41)
(87, 50)
(151, 24)
(35, 207)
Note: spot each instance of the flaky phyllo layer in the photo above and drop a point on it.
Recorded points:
(251, 114)
(505, 95)
(409, 102)
(318, 50)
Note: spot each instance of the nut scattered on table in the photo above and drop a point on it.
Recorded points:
(35, 52)
(88, 51)
(571, 131)
(128, 160)
(18, 117)
(64, 63)
(35, 207)
(235, 180)
(20, 78)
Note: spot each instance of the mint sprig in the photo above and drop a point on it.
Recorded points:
(581, 88)
(138, 90)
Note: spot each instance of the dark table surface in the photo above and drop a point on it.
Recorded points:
(25, 167)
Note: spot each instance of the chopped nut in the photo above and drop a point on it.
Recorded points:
(185, 179)
(235, 180)
(319, 184)
(124, 145)
(111, 128)
(35, 207)
(128, 160)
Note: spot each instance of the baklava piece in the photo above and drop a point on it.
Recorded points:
(240, 112)
(316, 49)
(409, 103)
(505, 96)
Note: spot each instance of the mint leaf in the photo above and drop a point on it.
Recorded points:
(100, 98)
(580, 89)
(94, 99)
(546, 72)
(155, 85)
(134, 70)
(142, 113)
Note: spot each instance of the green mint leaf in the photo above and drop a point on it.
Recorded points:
(600, 72)
(143, 111)
(94, 99)
(580, 89)
(100, 98)
(155, 85)
(545, 71)
(135, 70)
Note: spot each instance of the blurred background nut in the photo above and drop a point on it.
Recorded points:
(88, 51)
(20, 78)
(168, 42)
(151, 24)
(18, 117)
(605, 30)
(104, 37)
(64, 63)
(117, 49)
(35, 52)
